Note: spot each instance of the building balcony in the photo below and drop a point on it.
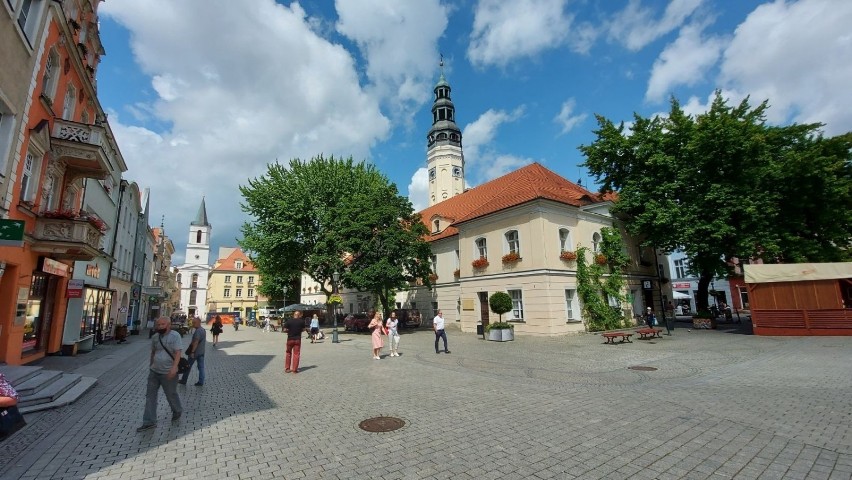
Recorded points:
(67, 239)
(84, 149)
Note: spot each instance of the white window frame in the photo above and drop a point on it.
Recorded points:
(29, 177)
(572, 305)
(239, 293)
(227, 279)
(517, 304)
(69, 104)
(250, 292)
(239, 279)
(480, 251)
(7, 122)
(565, 243)
(512, 245)
(50, 77)
(681, 266)
(238, 265)
(227, 293)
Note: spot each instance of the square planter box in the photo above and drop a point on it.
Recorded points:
(502, 335)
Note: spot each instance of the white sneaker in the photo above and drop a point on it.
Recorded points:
(377, 358)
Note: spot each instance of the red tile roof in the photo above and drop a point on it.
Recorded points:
(524, 185)
(227, 263)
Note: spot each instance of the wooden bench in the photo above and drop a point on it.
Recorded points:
(648, 333)
(611, 336)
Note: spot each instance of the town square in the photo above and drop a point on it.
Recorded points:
(425, 239)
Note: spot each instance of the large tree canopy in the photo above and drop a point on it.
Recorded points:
(725, 184)
(328, 215)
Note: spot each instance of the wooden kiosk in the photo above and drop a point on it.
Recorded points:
(800, 299)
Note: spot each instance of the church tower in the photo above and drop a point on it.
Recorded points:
(444, 157)
(196, 269)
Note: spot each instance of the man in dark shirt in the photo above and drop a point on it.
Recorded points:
(294, 328)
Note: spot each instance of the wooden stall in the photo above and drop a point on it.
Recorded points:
(800, 299)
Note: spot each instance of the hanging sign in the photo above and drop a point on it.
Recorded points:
(75, 288)
(53, 267)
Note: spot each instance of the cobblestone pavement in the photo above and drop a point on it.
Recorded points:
(720, 405)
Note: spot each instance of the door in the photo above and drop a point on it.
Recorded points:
(483, 309)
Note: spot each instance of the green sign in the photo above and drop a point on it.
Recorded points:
(11, 233)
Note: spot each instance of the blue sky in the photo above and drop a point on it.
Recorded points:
(202, 94)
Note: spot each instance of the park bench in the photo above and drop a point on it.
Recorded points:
(648, 333)
(611, 336)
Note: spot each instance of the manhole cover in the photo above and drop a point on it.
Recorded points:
(381, 424)
(641, 368)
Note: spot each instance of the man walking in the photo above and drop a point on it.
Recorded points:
(195, 352)
(438, 326)
(166, 348)
(294, 327)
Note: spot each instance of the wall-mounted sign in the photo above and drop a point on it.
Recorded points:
(75, 288)
(647, 285)
(93, 270)
(467, 304)
(681, 285)
(11, 233)
(53, 267)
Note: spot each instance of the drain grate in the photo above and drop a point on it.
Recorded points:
(641, 368)
(381, 424)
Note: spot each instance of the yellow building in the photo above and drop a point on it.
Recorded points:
(233, 282)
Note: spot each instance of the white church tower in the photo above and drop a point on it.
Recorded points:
(196, 271)
(444, 157)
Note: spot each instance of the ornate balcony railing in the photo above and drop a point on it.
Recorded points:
(74, 239)
(84, 148)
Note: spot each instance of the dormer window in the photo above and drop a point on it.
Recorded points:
(238, 264)
(436, 226)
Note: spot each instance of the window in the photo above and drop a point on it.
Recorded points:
(28, 178)
(681, 266)
(6, 127)
(564, 240)
(178, 278)
(435, 308)
(227, 279)
(250, 279)
(227, 293)
(194, 280)
(436, 227)
(51, 75)
(513, 244)
(239, 279)
(481, 248)
(596, 242)
(250, 292)
(238, 264)
(68, 104)
(434, 260)
(192, 297)
(517, 304)
(239, 292)
(198, 236)
(571, 304)
(28, 17)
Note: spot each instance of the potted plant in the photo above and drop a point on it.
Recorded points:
(479, 263)
(703, 319)
(600, 259)
(568, 256)
(500, 303)
(510, 258)
(433, 277)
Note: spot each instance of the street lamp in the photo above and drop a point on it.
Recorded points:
(284, 289)
(336, 278)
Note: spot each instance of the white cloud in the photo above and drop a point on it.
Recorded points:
(566, 117)
(500, 165)
(504, 31)
(683, 62)
(399, 42)
(635, 26)
(239, 88)
(418, 189)
(796, 55)
(478, 134)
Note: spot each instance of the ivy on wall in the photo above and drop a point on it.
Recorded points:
(602, 279)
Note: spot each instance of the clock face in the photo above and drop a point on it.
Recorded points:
(457, 171)
(444, 194)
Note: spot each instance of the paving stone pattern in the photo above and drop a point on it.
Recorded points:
(721, 405)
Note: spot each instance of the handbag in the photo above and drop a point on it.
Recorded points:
(11, 421)
(183, 363)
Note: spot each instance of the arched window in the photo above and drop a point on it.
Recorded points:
(192, 295)
(178, 278)
(70, 101)
(481, 248)
(564, 240)
(198, 236)
(513, 242)
(596, 242)
(51, 75)
(194, 280)
(436, 226)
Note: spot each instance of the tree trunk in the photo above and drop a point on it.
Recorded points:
(701, 302)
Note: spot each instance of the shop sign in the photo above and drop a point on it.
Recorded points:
(11, 233)
(93, 270)
(28, 345)
(122, 310)
(53, 267)
(681, 285)
(75, 288)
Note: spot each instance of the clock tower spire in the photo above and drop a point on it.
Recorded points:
(444, 157)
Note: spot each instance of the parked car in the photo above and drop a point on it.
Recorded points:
(409, 317)
(356, 322)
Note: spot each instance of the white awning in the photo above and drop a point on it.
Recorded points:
(680, 296)
(796, 272)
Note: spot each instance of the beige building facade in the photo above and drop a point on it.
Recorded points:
(233, 283)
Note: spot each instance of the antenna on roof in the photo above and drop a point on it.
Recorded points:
(441, 64)
(579, 177)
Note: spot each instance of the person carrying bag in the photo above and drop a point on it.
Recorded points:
(11, 419)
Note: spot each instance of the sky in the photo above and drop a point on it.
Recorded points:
(203, 94)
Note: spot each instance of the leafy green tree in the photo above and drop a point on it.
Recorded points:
(500, 303)
(331, 215)
(724, 184)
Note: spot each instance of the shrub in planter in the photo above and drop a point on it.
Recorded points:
(500, 331)
(511, 257)
(500, 303)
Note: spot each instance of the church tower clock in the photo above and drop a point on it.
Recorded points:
(444, 157)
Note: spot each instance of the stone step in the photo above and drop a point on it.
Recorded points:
(17, 374)
(82, 386)
(37, 383)
(51, 392)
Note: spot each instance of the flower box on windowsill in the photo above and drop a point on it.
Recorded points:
(479, 263)
(510, 258)
(600, 259)
(568, 256)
